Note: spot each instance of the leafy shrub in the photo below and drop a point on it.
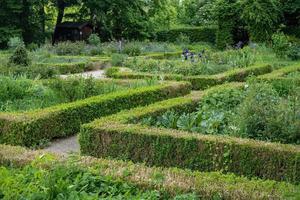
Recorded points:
(69, 48)
(20, 56)
(280, 44)
(14, 42)
(294, 52)
(132, 49)
(118, 59)
(96, 50)
(94, 40)
(265, 115)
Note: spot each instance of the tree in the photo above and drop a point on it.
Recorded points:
(262, 18)
(10, 13)
(226, 15)
(118, 18)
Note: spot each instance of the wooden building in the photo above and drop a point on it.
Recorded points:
(72, 31)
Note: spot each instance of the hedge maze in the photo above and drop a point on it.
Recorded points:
(111, 129)
(117, 136)
(29, 128)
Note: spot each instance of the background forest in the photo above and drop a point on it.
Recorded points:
(232, 20)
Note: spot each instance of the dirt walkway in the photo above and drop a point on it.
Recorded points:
(64, 146)
(98, 74)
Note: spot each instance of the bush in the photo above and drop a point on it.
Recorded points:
(69, 48)
(132, 49)
(14, 42)
(266, 116)
(195, 34)
(94, 40)
(95, 50)
(20, 56)
(118, 59)
(294, 52)
(280, 44)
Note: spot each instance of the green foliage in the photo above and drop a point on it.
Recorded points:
(118, 59)
(20, 56)
(261, 114)
(212, 117)
(294, 52)
(125, 177)
(266, 116)
(14, 42)
(69, 48)
(132, 49)
(261, 16)
(94, 40)
(65, 182)
(280, 44)
(225, 13)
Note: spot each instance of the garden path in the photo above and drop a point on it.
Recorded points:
(64, 146)
(70, 145)
(98, 74)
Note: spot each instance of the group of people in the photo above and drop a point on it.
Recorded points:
(186, 55)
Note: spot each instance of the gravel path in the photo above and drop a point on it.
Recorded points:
(64, 146)
(98, 74)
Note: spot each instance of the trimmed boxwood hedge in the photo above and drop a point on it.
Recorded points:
(171, 181)
(118, 137)
(195, 34)
(29, 128)
(198, 82)
(65, 68)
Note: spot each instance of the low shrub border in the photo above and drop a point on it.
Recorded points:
(202, 81)
(118, 137)
(29, 128)
(208, 185)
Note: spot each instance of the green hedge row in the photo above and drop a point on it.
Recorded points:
(117, 136)
(163, 55)
(65, 68)
(195, 34)
(198, 82)
(28, 129)
(208, 185)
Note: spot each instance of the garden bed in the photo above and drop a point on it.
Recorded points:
(165, 183)
(31, 128)
(119, 136)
